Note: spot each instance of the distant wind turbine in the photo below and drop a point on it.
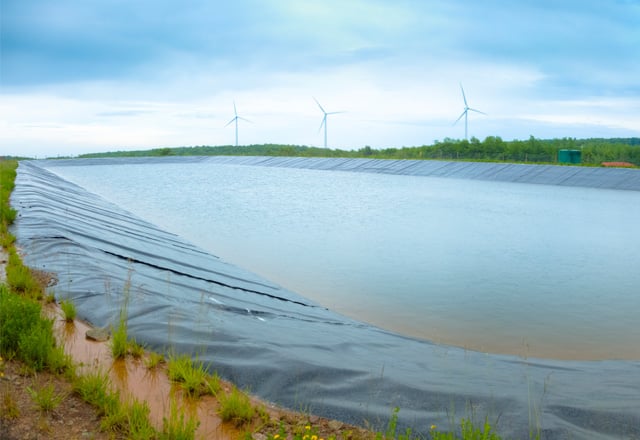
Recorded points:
(235, 119)
(324, 120)
(465, 113)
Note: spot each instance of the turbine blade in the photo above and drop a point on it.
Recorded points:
(477, 111)
(319, 105)
(335, 113)
(464, 96)
(244, 119)
(460, 117)
(235, 112)
(231, 121)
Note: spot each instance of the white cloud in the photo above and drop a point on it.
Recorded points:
(394, 67)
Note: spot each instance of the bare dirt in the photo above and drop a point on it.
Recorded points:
(21, 419)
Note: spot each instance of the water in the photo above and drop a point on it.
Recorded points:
(534, 270)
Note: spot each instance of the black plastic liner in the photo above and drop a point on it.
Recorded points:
(590, 177)
(288, 349)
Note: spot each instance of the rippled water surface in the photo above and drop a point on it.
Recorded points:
(534, 270)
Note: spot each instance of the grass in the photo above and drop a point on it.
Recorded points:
(192, 375)
(176, 426)
(119, 340)
(17, 316)
(8, 407)
(236, 407)
(59, 362)
(153, 360)
(20, 278)
(69, 310)
(130, 418)
(120, 343)
(7, 183)
(94, 388)
(27, 335)
(468, 431)
(136, 350)
(139, 427)
(46, 398)
(36, 345)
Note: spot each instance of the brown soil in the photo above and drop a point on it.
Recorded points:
(20, 418)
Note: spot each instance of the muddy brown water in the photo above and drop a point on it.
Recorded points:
(135, 381)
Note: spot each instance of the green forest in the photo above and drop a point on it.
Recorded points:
(593, 152)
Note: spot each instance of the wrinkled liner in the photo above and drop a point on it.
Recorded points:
(288, 349)
(590, 177)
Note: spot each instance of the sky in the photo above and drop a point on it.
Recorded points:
(81, 76)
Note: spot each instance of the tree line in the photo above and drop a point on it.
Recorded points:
(594, 151)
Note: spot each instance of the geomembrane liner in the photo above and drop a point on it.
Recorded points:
(288, 349)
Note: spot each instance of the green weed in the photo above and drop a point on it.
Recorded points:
(69, 310)
(9, 406)
(212, 383)
(153, 360)
(468, 431)
(136, 350)
(94, 388)
(139, 427)
(18, 315)
(7, 239)
(20, 279)
(176, 427)
(236, 407)
(391, 433)
(119, 342)
(7, 183)
(59, 362)
(192, 375)
(35, 347)
(46, 397)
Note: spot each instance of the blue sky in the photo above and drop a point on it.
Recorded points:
(80, 76)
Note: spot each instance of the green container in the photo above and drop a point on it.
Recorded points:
(570, 156)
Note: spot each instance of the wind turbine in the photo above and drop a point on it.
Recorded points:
(235, 119)
(324, 120)
(465, 113)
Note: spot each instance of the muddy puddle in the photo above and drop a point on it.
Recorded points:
(135, 381)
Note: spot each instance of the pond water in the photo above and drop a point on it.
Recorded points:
(533, 270)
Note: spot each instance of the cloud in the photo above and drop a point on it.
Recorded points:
(94, 75)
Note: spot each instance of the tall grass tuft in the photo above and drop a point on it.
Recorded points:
(20, 279)
(94, 388)
(139, 427)
(69, 310)
(18, 315)
(46, 398)
(36, 346)
(192, 375)
(153, 360)
(236, 407)
(119, 334)
(176, 427)
(119, 344)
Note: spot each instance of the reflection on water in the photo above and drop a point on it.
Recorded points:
(533, 270)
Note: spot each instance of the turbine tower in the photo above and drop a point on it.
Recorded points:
(324, 120)
(235, 119)
(465, 113)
